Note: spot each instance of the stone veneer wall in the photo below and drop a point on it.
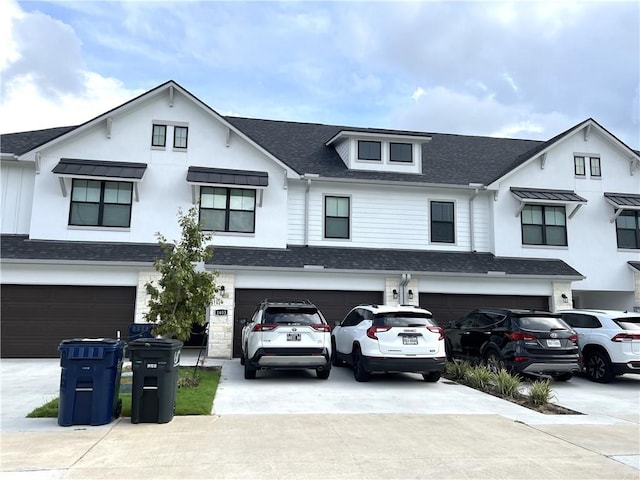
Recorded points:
(557, 302)
(636, 296)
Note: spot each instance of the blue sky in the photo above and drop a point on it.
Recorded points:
(512, 69)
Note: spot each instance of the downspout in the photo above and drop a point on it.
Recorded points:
(406, 277)
(306, 212)
(472, 238)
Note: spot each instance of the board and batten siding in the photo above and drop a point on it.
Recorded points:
(17, 196)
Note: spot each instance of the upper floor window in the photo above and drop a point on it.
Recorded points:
(578, 165)
(180, 137)
(628, 229)
(442, 222)
(594, 163)
(544, 225)
(336, 217)
(369, 150)
(227, 209)
(400, 152)
(159, 136)
(100, 203)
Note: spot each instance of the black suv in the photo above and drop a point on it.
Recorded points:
(520, 341)
(286, 334)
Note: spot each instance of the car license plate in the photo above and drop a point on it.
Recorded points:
(409, 340)
(293, 337)
(553, 343)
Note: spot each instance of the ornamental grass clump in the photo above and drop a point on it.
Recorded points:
(456, 370)
(506, 384)
(478, 377)
(540, 392)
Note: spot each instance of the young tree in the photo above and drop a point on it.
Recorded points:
(184, 290)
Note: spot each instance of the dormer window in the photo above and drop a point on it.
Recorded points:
(401, 152)
(368, 150)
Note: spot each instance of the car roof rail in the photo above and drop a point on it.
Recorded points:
(287, 300)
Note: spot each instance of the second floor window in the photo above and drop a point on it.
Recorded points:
(594, 163)
(578, 163)
(100, 203)
(227, 209)
(400, 152)
(628, 229)
(336, 217)
(544, 225)
(159, 136)
(369, 150)
(442, 222)
(180, 137)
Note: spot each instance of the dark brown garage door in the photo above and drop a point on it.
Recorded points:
(35, 318)
(333, 304)
(447, 307)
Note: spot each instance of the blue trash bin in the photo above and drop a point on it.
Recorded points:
(90, 381)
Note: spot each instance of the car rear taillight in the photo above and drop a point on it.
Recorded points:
(520, 359)
(515, 336)
(264, 327)
(372, 331)
(321, 327)
(437, 330)
(573, 337)
(626, 337)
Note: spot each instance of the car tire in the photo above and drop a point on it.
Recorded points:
(493, 361)
(334, 355)
(431, 377)
(598, 367)
(563, 377)
(448, 350)
(323, 373)
(359, 372)
(242, 360)
(249, 371)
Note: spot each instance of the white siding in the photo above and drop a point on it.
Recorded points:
(592, 244)
(164, 188)
(17, 196)
(296, 213)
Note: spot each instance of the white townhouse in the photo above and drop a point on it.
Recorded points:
(338, 215)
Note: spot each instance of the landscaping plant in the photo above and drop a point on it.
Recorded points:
(506, 384)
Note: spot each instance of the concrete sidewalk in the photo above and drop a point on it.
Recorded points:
(292, 425)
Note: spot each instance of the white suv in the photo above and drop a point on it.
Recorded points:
(384, 338)
(609, 341)
(286, 334)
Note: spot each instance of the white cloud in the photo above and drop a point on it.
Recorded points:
(417, 93)
(44, 81)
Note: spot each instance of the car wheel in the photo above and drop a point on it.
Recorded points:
(448, 350)
(563, 377)
(249, 371)
(493, 361)
(334, 356)
(323, 373)
(598, 367)
(431, 376)
(242, 360)
(359, 372)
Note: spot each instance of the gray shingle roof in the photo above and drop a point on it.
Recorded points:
(635, 265)
(19, 247)
(22, 142)
(227, 177)
(98, 168)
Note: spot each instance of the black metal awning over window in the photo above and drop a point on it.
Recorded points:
(221, 176)
(627, 201)
(528, 196)
(74, 167)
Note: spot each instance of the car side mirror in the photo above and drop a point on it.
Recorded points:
(337, 323)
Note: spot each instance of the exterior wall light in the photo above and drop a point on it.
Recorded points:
(410, 294)
(395, 293)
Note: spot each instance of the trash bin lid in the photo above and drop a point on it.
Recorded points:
(89, 348)
(155, 344)
(107, 342)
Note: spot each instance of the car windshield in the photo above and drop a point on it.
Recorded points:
(542, 324)
(628, 323)
(403, 319)
(291, 316)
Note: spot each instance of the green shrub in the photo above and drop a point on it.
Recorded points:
(478, 377)
(540, 392)
(506, 384)
(456, 370)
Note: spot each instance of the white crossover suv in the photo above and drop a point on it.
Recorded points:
(385, 338)
(286, 334)
(609, 341)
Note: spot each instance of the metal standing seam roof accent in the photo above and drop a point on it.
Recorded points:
(635, 265)
(624, 200)
(99, 168)
(525, 194)
(227, 177)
